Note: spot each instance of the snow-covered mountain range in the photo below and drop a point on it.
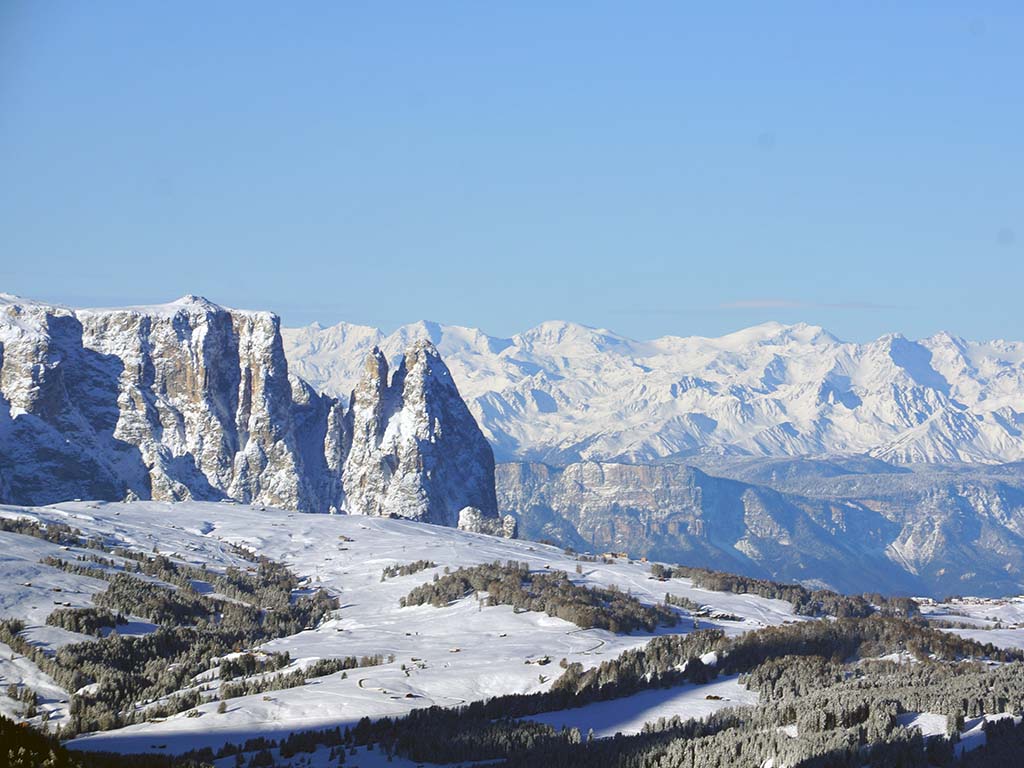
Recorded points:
(191, 400)
(563, 392)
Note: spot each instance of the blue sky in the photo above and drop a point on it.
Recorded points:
(654, 168)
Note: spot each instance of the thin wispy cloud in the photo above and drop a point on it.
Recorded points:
(795, 304)
(762, 304)
(750, 304)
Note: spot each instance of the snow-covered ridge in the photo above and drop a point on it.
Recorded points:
(187, 303)
(563, 392)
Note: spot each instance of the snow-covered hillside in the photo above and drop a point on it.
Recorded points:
(562, 392)
(441, 656)
(414, 657)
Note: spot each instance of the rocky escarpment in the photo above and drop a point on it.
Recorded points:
(191, 400)
(852, 525)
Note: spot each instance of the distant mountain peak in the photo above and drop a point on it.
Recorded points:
(564, 391)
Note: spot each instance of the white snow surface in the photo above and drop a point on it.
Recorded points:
(1001, 638)
(999, 621)
(564, 392)
(985, 612)
(463, 652)
(928, 723)
(628, 715)
(971, 737)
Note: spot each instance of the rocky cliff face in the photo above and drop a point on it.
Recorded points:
(193, 400)
(416, 450)
(854, 526)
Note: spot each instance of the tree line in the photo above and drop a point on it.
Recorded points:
(806, 602)
(550, 592)
(391, 571)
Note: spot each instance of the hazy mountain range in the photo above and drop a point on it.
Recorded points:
(850, 524)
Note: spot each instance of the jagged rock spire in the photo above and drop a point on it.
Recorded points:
(417, 451)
